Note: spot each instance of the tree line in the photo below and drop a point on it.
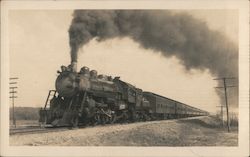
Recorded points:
(25, 113)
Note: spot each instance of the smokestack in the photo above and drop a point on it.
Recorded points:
(74, 66)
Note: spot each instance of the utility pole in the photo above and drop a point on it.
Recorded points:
(13, 91)
(225, 91)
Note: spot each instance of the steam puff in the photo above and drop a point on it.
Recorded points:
(178, 35)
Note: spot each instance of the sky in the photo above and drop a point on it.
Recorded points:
(39, 45)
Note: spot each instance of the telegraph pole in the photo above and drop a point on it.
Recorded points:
(225, 91)
(13, 92)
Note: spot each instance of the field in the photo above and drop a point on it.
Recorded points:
(198, 131)
(25, 113)
(25, 116)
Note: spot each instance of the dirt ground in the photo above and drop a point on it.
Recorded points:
(201, 131)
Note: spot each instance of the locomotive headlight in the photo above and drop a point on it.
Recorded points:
(66, 84)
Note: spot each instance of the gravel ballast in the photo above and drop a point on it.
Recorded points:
(198, 131)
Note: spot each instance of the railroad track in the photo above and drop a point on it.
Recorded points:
(39, 129)
(35, 130)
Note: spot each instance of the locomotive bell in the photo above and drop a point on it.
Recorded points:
(84, 75)
(84, 70)
(93, 74)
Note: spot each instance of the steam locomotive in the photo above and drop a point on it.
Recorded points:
(86, 98)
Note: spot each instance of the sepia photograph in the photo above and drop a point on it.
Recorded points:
(142, 78)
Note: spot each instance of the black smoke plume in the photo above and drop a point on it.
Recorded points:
(173, 34)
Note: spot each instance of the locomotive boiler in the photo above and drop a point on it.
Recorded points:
(86, 98)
